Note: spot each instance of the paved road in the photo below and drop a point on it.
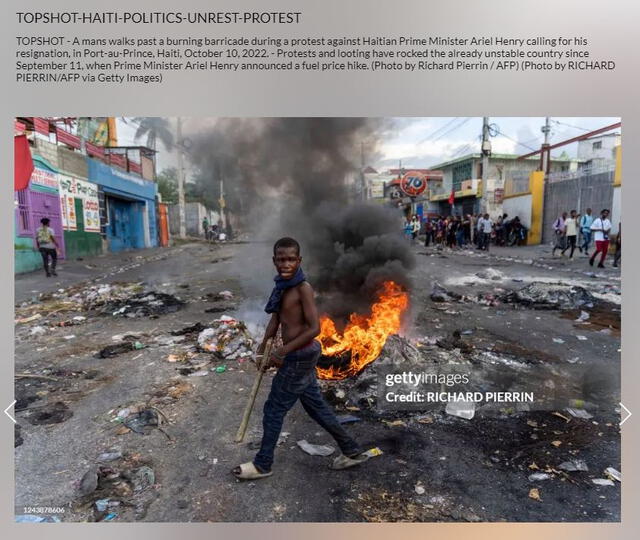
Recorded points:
(469, 470)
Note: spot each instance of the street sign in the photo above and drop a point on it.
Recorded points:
(413, 183)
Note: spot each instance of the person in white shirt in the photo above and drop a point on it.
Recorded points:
(600, 229)
(486, 228)
(571, 233)
(560, 231)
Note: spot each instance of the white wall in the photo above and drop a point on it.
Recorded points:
(518, 206)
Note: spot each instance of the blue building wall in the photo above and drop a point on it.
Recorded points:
(132, 207)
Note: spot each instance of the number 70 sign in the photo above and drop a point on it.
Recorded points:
(413, 183)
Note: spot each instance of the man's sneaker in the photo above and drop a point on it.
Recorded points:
(590, 262)
(601, 265)
(48, 274)
(53, 272)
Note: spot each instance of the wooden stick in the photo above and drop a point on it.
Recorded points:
(254, 391)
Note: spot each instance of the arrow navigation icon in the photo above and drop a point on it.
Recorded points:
(627, 417)
(6, 411)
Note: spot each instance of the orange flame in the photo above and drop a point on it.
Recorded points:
(363, 336)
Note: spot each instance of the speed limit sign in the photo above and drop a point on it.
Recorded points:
(413, 183)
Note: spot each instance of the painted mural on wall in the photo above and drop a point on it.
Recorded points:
(73, 188)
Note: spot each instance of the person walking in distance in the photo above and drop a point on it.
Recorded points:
(585, 229)
(48, 247)
(487, 228)
(618, 255)
(600, 229)
(571, 233)
(560, 234)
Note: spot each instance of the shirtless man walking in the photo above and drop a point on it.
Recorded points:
(293, 309)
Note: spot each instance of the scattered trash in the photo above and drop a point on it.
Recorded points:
(538, 477)
(347, 418)
(584, 316)
(129, 336)
(110, 455)
(602, 482)
(145, 304)
(195, 328)
(440, 294)
(613, 474)
(373, 452)
(582, 338)
(394, 423)
(201, 373)
(38, 331)
(137, 422)
(225, 295)
(490, 273)
(70, 336)
(29, 319)
(110, 517)
(574, 465)
(142, 478)
(227, 337)
(88, 482)
(221, 369)
(558, 340)
(534, 494)
(550, 296)
(102, 505)
(315, 449)
(114, 350)
(54, 413)
(579, 413)
(462, 409)
(419, 489)
(573, 360)
(556, 443)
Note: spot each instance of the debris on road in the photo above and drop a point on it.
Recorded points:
(574, 465)
(538, 477)
(550, 296)
(602, 482)
(534, 493)
(613, 474)
(315, 449)
(119, 348)
(228, 338)
(440, 294)
(462, 409)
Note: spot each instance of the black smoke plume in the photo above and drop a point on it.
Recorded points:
(291, 177)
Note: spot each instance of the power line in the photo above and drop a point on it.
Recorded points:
(569, 125)
(439, 129)
(515, 141)
(454, 128)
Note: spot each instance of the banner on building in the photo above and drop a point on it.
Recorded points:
(74, 188)
(44, 178)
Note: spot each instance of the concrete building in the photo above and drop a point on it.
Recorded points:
(463, 176)
(598, 150)
(95, 201)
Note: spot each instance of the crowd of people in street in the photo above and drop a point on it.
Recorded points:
(466, 231)
(568, 228)
(479, 231)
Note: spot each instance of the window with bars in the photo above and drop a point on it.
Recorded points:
(23, 221)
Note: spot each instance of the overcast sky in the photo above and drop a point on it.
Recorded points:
(424, 142)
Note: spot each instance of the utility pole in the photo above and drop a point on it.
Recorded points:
(486, 152)
(545, 154)
(181, 207)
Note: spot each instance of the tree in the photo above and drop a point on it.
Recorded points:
(168, 185)
(154, 129)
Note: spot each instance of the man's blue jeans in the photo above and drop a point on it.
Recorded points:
(296, 379)
(586, 240)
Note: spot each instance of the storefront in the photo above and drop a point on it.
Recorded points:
(127, 207)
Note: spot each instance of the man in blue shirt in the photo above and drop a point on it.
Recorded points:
(585, 229)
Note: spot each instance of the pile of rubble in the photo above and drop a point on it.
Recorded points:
(228, 338)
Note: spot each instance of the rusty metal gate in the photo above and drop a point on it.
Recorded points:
(576, 190)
